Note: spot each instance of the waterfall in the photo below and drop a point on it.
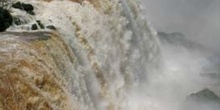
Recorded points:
(93, 60)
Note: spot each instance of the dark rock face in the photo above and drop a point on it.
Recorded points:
(51, 27)
(34, 27)
(28, 7)
(22, 6)
(17, 21)
(5, 19)
(202, 100)
(40, 24)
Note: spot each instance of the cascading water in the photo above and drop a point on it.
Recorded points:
(100, 51)
(102, 56)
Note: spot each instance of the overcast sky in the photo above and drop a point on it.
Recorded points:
(197, 19)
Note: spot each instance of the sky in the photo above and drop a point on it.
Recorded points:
(199, 20)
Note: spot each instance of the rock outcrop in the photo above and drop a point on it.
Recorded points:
(202, 100)
(5, 19)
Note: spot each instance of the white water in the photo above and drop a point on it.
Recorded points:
(122, 47)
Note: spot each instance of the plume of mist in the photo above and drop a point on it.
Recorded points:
(197, 19)
(190, 63)
(184, 72)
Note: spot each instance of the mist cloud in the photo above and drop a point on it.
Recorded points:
(197, 19)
